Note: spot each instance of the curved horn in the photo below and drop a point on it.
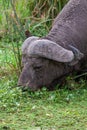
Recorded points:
(51, 50)
(27, 42)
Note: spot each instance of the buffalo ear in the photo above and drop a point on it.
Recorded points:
(50, 50)
(77, 55)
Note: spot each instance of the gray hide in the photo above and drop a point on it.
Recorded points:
(61, 52)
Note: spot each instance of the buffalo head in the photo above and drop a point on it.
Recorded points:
(44, 61)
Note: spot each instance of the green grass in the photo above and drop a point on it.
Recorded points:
(61, 109)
